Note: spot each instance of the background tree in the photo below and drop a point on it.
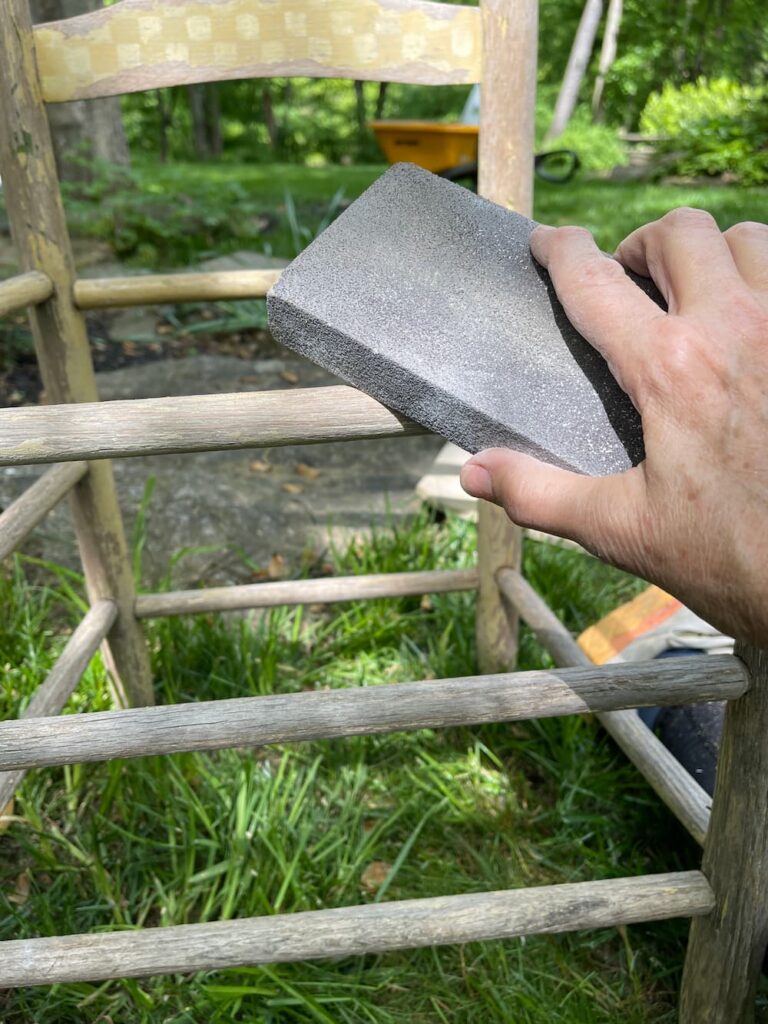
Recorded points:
(578, 59)
(607, 54)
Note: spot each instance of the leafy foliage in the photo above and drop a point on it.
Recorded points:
(661, 42)
(714, 126)
(598, 146)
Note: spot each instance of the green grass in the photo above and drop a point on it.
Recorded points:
(200, 837)
(609, 209)
(175, 214)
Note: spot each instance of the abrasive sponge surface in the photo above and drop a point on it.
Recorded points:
(426, 297)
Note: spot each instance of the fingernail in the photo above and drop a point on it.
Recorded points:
(476, 481)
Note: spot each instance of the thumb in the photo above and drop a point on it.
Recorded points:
(589, 510)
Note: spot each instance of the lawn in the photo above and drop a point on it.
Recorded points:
(170, 215)
(195, 837)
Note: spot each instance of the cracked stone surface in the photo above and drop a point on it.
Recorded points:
(427, 297)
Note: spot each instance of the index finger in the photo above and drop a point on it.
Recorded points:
(601, 302)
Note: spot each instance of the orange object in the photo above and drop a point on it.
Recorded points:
(617, 630)
(432, 145)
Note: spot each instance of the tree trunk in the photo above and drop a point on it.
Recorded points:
(213, 118)
(270, 121)
(165, 109)
(85, 130)
(196, 97)
(360, 106)
(680, 50)
(607, 54)
(380, 99)
(578, 60)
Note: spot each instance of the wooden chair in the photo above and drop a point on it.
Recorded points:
(142, 44)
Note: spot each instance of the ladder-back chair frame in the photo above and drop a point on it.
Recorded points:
(142, 44)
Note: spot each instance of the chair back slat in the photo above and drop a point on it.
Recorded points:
(145, 44)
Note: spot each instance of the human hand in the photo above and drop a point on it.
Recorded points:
(693, 517)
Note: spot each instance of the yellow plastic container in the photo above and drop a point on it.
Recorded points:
(434, 146)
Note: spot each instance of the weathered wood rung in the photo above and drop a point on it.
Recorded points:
(353, 931)
(30, 508)
(327, 714)
(24, 290)
(54, 692)
(316, 591)
(196, 423)
(687, 800)
(152, 289)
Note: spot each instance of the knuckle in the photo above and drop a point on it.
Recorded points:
(599, 271)
(571, 233)
(686, 218)
(749, 317)
(679, 352)
(747, 231)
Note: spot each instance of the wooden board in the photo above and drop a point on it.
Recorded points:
(146, 44)
(292, 592)
(372, 928)
(510, 47)
(194, 423)
(359, 711)
(726, 952)
(24, 290)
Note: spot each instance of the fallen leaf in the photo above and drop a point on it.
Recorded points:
(293, 488)
(375, 875)
(20, 894)
(290, 377)
(164, 329)
(306, 471)
(276, 567)
(250, 378)
(260, 466)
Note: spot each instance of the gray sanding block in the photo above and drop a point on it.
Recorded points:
(426, 297)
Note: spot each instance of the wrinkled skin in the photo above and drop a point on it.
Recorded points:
(693, 517)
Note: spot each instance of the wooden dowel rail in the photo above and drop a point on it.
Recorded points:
(52, 694)
(30, 508)
(680, 792)
(312, 715)
(354, 931)
(197, 423)
(316, 591)
(154, 289)
(24, 290)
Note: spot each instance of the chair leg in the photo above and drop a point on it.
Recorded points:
(510, 47)
(726, 948)
(499, 545)
(36, 217)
